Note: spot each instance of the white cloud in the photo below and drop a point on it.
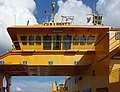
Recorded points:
(111, 12)
(35, 84)
(21, 10)
(60, 3)
(73, 8)
(32, 86)
(17, 89)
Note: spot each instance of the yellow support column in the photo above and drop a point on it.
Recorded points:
(8, 80)
(54, 87)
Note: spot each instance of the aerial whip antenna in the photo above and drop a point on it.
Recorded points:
(51, 13)
(14, 19)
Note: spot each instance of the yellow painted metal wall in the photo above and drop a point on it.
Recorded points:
(104, 72)
(114, 71)
(43, 58)
(113, 43)
(97, 75)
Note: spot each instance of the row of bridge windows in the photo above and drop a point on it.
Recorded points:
(57, 40)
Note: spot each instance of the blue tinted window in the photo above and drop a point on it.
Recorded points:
(56, 42)
(24, 40)
(31, 40)
(47, 42)
(67, 42)
(90, 40)
(75, 40)
(38, 40)
(82, 40)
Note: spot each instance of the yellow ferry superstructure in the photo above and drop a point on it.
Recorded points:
(87, 53)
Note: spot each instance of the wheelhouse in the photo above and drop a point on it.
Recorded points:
(66, 37)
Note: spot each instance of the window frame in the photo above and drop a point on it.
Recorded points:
(24, 42)
(55, 41)
(76, 41)
(84, 40)
(49, 41)
(117, 37)
(90, 41)
(31, 39)
(38, 41)
(66, 41)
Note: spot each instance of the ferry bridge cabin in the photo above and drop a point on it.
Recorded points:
(54, 37)
(61, 49)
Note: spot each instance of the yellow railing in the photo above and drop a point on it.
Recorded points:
(113, 43)
(114, 76)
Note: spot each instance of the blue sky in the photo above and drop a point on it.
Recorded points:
(35, 84)
(45, 5)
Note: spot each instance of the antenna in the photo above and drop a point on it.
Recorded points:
(93, 7)
(53, 8)
(14, 19)
(51, 13)
(27, 22)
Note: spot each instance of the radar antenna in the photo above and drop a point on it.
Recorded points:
(67, 19)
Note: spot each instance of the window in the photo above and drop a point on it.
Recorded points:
(67, 42)
(82, 40)
(56, 42)
(47, 42)
(118, 35)
(75, 40)
(90, 40)
(31, 40)
(38, 40)
(24, 40)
